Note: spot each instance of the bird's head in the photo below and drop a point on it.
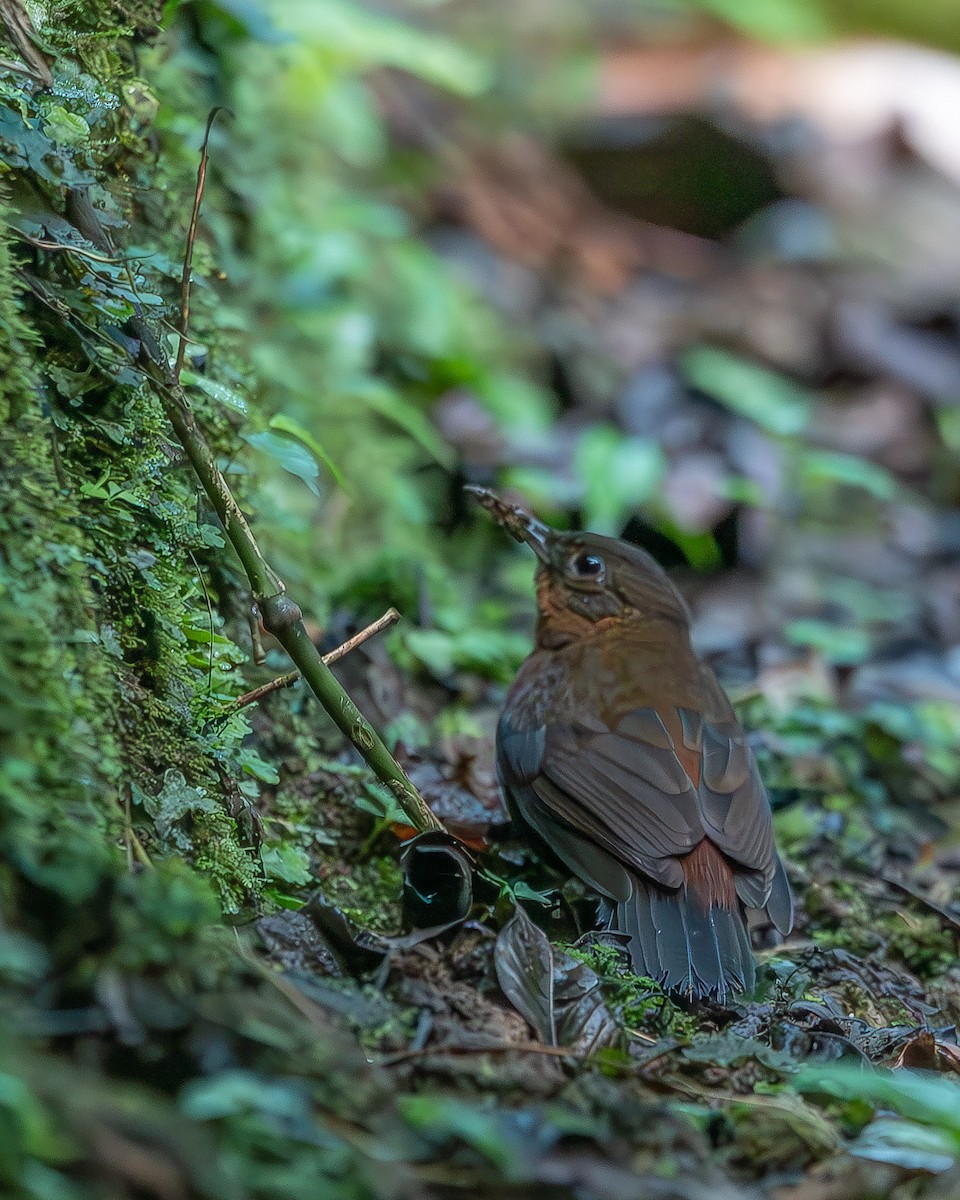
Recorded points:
(587, 582)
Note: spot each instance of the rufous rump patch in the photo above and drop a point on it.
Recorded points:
(709, 876)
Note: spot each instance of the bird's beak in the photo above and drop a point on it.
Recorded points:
(520, 524)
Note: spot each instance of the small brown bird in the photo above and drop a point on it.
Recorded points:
(619, 748)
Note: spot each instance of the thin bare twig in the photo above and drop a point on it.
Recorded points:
(390, 617)
(133, 844)
(191, 238)
(266, 689)
(256, 641)
(127, 827)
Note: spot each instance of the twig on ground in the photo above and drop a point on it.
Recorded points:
(265, 689)
(390, 617)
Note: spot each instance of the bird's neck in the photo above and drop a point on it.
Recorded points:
(635, 664)
(555, 631)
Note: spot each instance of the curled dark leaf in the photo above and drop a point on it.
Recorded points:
(354, 950)
(560, 996)
(582, 1018)
(437, 880)
(523, 958)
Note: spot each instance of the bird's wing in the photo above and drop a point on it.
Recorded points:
(648, 789)
(734, 808)
(623, 789)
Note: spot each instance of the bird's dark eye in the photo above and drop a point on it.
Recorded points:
(587, 566)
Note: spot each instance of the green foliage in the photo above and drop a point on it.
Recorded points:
(620, 474)
(773, 402)
(17, 339)
(927, 1139)
(367, 892)
(111, 661)
(820, 488)
(860, 755)
(791, 21)
(636, 1002)
(484, 1130)
(349, 327)
(158, 914)
(52, 679)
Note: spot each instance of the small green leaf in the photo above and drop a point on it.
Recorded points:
(701, 550)
(780, 21)
(485, 1130)
(235, 1091)
(916, 1095)
(211, 536)
(286, 863)
(258, 767)
(433, 647)
(65, 128)
(618, 474)
(381, 803)
(216, 391)
(375, 39)
(772, 401)
(293, 429)
(838, 643)
(849, 470)
(523, 891)
(906, 1144)
(517, 403)
(293, 457)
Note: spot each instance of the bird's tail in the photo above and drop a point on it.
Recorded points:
(697, 948)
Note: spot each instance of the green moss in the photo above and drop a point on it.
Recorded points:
(638, 1003)
(844, 916)
(368, 892)
(921, 943)
(857, 941)
(841, 917)
(216, 851)
(111, 624)
(17, 339)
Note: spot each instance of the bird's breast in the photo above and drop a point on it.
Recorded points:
(605, 677)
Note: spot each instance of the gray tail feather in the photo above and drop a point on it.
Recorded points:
(674, 940)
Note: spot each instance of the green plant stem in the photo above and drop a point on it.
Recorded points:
(263, 580)
(390, 617)
(296, 641)
(282, 616)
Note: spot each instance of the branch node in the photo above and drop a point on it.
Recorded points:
(279, 612)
